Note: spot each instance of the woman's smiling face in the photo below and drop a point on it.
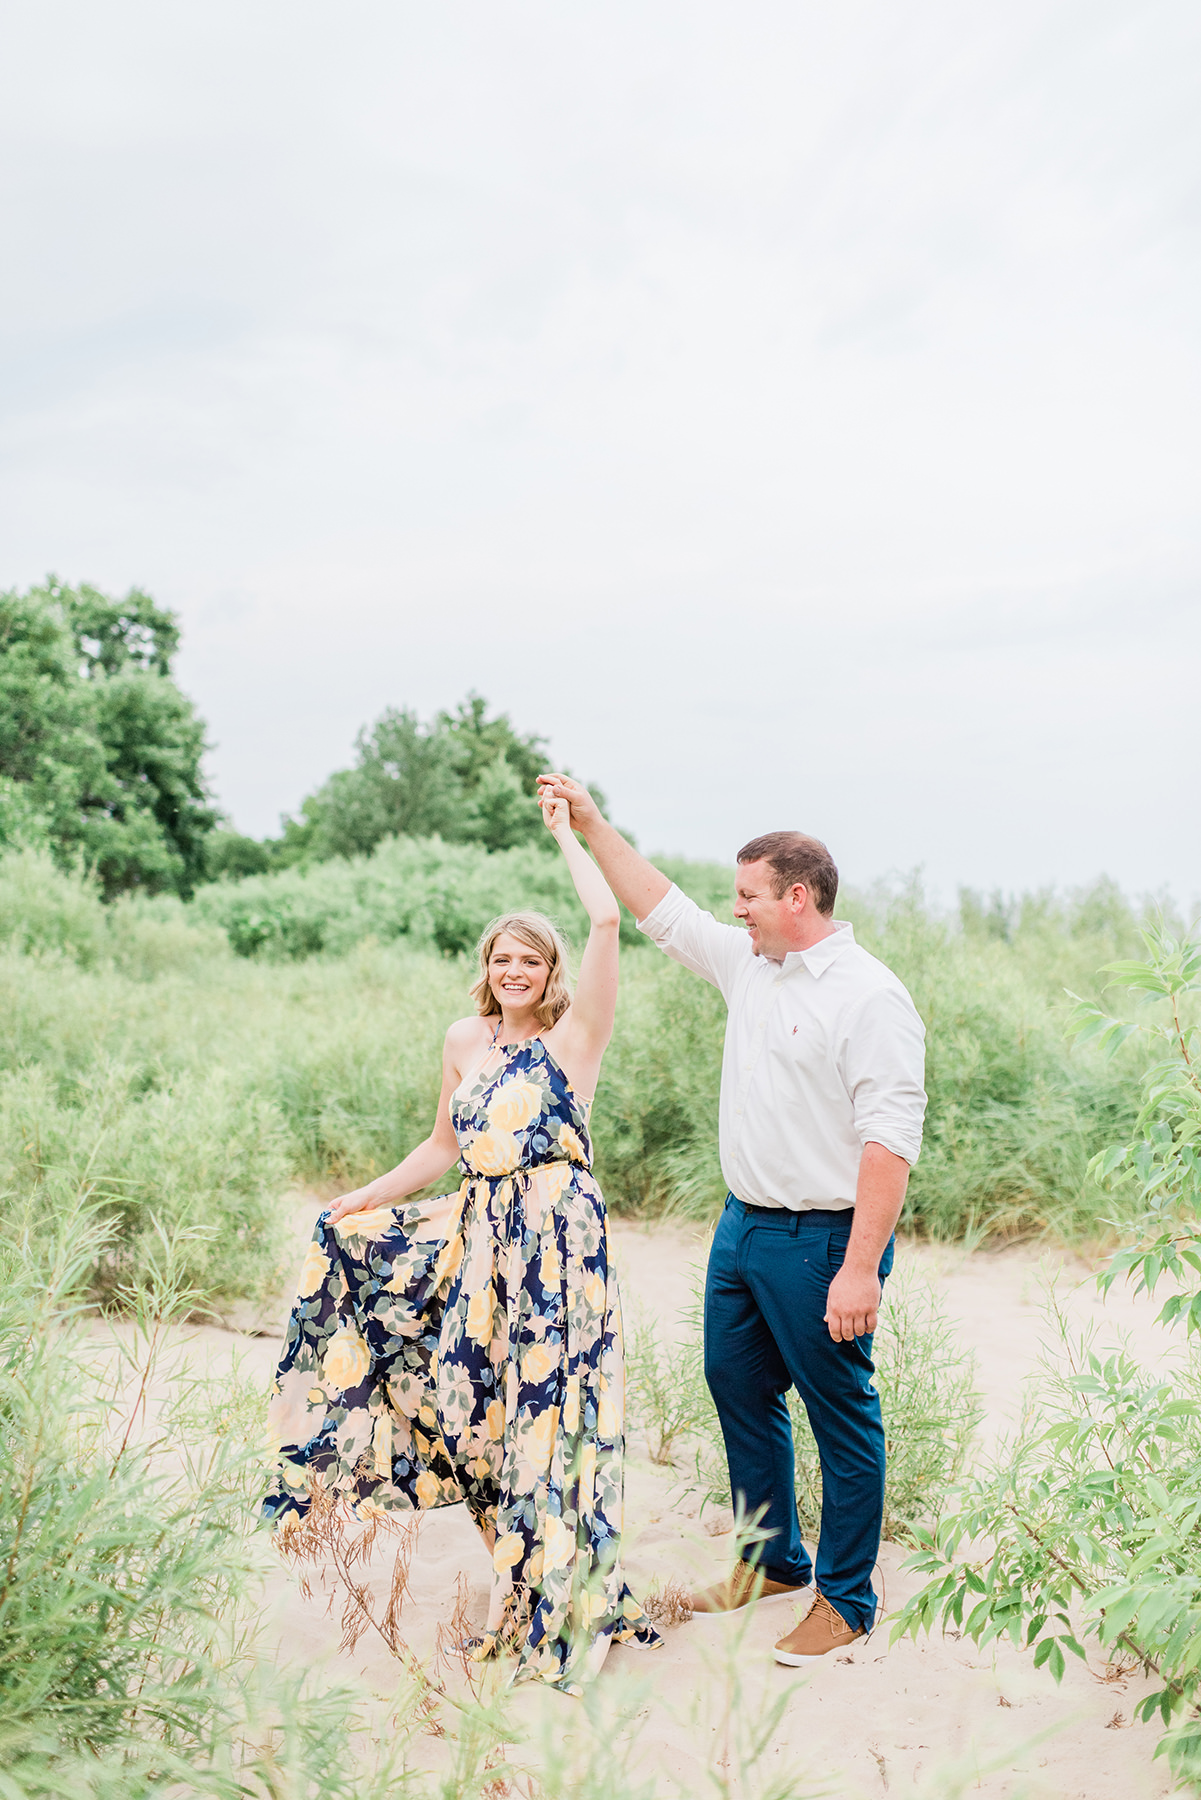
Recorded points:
(517, 974)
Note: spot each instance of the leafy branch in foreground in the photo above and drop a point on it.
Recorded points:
(1086, 1531)
(1162, 1163)
(1088, 1527)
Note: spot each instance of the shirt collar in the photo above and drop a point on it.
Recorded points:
(818, 958)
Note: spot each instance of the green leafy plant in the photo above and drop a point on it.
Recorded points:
(1160, 1167)
(1084, 1529)
(1088, 1526)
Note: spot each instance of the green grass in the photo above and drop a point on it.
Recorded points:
(1014, 1115)
(142, 1058)
(158, 1091)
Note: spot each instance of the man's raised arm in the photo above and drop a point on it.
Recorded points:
(637, 883)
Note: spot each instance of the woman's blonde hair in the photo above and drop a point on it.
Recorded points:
(535, 931)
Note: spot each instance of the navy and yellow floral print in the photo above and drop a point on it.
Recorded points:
(470, 1348)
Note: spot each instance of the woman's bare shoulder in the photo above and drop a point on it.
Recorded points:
(466, 1032)
(467, 1043)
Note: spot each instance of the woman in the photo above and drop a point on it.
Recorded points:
(469, 1347)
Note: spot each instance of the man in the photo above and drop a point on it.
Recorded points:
(820, 1120)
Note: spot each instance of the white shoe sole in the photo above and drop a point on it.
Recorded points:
(794, 1594)
(791, 1660)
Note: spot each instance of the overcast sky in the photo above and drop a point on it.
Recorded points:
(793, 411)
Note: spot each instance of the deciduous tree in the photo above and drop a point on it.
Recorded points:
(100, 752)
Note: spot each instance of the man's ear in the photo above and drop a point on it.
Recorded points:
(800, 897)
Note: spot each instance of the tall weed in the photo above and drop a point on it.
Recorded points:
(202, 1152)
(115, 1577)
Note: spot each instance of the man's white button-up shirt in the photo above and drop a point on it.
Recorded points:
(824, 1053)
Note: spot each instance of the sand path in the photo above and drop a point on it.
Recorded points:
(879, 1721)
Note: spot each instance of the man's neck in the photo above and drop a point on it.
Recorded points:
(809, 932)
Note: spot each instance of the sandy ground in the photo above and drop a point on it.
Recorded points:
(880, 1720)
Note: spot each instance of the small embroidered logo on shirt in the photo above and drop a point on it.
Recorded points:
(795, 1029)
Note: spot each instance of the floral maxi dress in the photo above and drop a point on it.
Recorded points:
(470, 1348)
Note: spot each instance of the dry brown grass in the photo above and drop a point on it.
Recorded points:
(670, 1605)
(334, 1549)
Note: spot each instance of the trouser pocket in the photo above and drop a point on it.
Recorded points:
(836, 1252)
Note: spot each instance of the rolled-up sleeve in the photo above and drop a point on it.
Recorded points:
(884, 1066)
(689, 935)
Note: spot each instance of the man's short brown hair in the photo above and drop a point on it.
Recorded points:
(795, 858)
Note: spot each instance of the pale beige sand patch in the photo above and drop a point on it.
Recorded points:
(882, 1721)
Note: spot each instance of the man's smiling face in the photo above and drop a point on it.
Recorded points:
(770, 918)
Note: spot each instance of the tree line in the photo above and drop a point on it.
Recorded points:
(101, 759)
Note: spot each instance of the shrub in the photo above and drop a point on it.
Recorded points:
(433, 894)
(1160, 1169)
(325, 1067)
(1013, 1118)
(43, 908)
(1086, 1526)
(152, 935)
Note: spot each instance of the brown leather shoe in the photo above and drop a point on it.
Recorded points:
(821, 1630)
(743, 1584)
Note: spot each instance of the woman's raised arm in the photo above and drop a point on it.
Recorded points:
(589, 1025)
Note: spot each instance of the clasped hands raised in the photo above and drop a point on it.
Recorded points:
(579, 808)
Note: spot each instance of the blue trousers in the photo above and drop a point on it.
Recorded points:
(765, 1294)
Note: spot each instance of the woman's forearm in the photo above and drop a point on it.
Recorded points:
(595, 893)
(421, 1166)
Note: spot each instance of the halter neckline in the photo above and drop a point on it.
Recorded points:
(535, 1038)
(548, 1054)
